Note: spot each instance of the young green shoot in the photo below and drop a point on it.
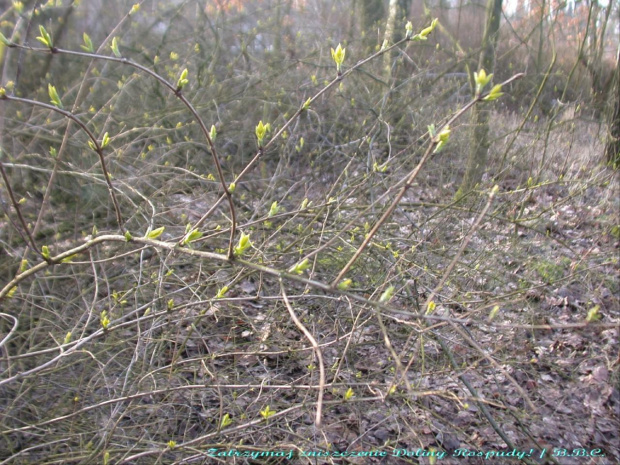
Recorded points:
(441, 139)
(338, 57)
(387, 295)
(409, 30)
(114, 47)
(496, 92)
(275, 208)
(155, 233)
(105, 141)
(45, 38)
(267, 412)
(493, 313)
(261, 131)
(226, 421)
(300, 267)
(345, 284)
(4, 40)
(221, 292)
(104, 320)
(88, 44)
(243, 245)
(182, 81)
(191, 236)
(45, 252)
(426, 31)
(481, 79)
(54, 98)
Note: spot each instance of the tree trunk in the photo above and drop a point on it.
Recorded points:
(592, 59)
(372, 16)
(541, 36)
(479, 145)
(390, 24)
(394, 30)
(612, 146)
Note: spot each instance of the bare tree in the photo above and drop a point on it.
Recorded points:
(612, 147)
(372, 14)
(592, 54)
(480, 116)
(397, 12)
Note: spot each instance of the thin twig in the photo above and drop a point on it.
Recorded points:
(12, 330)
(317, 351)
(15, 204)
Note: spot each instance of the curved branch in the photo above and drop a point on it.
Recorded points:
(97, 146)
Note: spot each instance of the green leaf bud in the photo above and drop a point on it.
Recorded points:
(261, 131)
(88, 44)
(44, 38)
(54, 98)
(104, 319)
(481, 79)
(496, 92)
(274, 209)
(105, 141)
(344, 284)
(182, 81)
(226, 421)
(338, 56)
(408, 30)
(114, 47)
(45, 252)
(387, 295)
(426, 31)
(191, 236)
(243, 245)
(300, 267)
(221, 292)
(155, 233)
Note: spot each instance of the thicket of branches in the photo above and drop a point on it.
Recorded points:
(222, 229)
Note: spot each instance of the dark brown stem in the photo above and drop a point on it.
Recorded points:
(15, 204)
